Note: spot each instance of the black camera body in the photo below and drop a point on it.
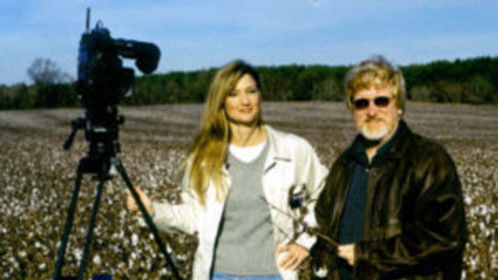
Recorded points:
(102, 79)
(103, 82)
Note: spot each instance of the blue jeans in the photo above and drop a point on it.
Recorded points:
(223, 276)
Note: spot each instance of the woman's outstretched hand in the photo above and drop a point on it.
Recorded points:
(132, 205)
(294, 257)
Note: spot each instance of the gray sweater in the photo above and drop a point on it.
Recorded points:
(245, 241)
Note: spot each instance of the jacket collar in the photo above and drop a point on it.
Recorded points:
(399, 143)
(275, 152)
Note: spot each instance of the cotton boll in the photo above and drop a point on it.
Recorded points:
(97, 260)
(134, 239)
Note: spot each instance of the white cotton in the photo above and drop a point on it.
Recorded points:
(321, 272)
(97, 260)
(134, 239)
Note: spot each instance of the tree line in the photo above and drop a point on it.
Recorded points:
(461, 81)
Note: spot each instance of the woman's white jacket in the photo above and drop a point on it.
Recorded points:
(290, 161)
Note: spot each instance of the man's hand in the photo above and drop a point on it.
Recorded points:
(346, 252)
(294, 257)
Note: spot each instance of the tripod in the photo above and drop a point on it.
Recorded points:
(102, 155)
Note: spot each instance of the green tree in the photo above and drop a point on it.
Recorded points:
(480, 90)
(421, 93)
(327, 89)
(22, 97)
(5, 100)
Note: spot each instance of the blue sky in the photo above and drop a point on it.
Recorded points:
(208, 33)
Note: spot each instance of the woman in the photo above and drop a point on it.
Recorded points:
(235, 162)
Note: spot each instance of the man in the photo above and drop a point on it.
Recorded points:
(393, 199)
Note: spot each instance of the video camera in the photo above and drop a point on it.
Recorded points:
(102, 79)
(103, 82)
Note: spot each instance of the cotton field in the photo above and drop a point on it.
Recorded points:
(37, 178)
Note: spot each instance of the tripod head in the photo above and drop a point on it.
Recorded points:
(102, 134)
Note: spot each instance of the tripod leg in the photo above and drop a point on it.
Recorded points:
(88, 240)
(69, 223)
(146, 216)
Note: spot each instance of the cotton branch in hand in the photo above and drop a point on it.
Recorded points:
(299, 200)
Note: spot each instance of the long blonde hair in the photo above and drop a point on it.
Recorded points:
(209, 150)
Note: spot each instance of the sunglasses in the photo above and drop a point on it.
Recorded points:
(363, 103)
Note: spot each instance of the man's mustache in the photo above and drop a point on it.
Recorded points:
(371, 119)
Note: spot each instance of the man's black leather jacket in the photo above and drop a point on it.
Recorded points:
(414, 224)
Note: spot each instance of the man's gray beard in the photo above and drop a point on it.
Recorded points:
(374, 135)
